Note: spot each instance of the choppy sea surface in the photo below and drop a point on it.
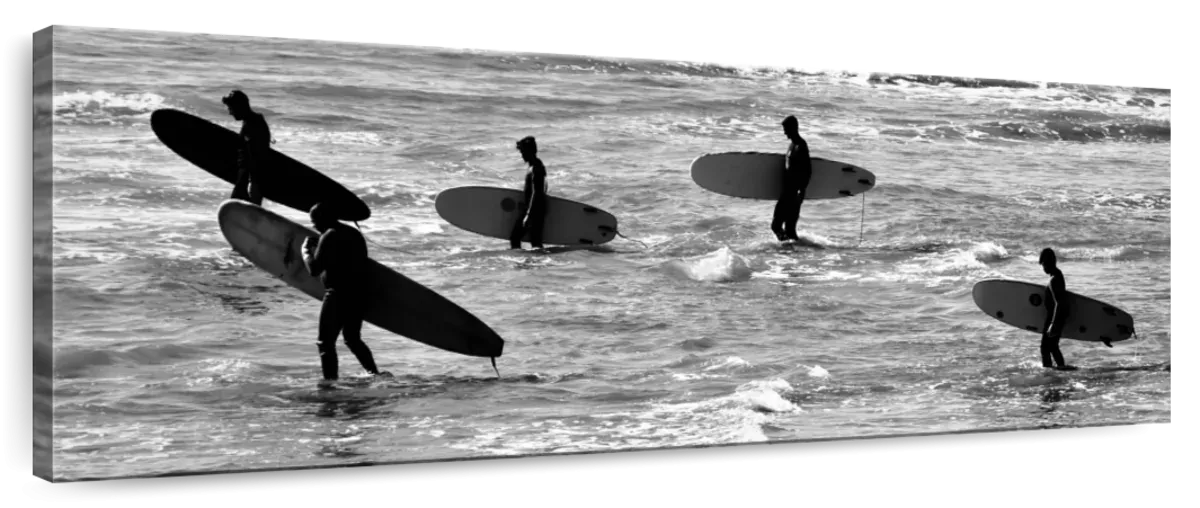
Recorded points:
(173, 354)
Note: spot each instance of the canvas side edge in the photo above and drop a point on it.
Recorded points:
(43, 263)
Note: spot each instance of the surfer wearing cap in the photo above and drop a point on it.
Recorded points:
(533, 216)
(338, 257)
(797, 171)
(256, 137)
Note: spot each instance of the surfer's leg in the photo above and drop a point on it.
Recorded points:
(327, 333)
(536, 221)
(242, 182)
(1047, 347)
(1057, 353)
(777, 220)
(352, 319)
(793, 217)
(240, 190)
(518, 232)
(1051, 354)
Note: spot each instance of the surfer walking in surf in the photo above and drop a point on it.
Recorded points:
(339, 257)
(797, 171)
(1056, 312)
(533, 216)
(256, 138)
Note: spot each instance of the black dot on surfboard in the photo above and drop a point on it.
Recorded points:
(848, 169)
(1000, 314)
(1110, 311)
(1035, 300)
(1082, 329)
(845, 193)
(508, 205)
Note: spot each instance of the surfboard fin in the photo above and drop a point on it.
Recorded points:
(494, 367)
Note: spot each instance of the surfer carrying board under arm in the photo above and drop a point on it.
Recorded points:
(1056, 313)
(797, 171)
(338, 257)
(256, 137)
(533, 216)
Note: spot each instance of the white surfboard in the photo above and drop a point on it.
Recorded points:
(493, 211)
(1023, 305)
(759, 175)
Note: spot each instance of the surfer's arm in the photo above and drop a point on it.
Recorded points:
(539, 187)
(803, 168)
(1058, 289)
(316, 261)
(258, 136)
(1053, 312)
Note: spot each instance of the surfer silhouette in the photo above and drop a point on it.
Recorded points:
(256, 137)
(338, 257)
(797, 171)
(533, 216)
(1056, 312)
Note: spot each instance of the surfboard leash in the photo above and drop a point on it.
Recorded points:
(618, 233)
(385, 247)
(862, 220)
(1137, 347)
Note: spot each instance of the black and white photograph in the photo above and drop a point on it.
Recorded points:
(626, 240)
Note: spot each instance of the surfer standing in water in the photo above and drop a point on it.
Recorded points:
(1056, 312)
(339, 257)
(533, 217)
(797, 171)
(256, 140)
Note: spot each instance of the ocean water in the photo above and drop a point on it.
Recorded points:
(172, 354)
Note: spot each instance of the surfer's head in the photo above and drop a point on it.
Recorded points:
(527, 146)
(1048, 260)
(791, 126)
(237, 102)
(322, 216)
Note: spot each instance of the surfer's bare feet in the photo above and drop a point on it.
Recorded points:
(384, 373)
(1067, 367)
(326, 384)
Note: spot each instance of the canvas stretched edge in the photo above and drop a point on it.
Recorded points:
(43, 265)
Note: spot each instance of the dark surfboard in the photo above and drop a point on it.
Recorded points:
(284, 180)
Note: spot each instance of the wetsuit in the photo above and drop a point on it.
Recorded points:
(535, 199)
(1056, 316)
(257, 137)
(339, 258)
(797, 171)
